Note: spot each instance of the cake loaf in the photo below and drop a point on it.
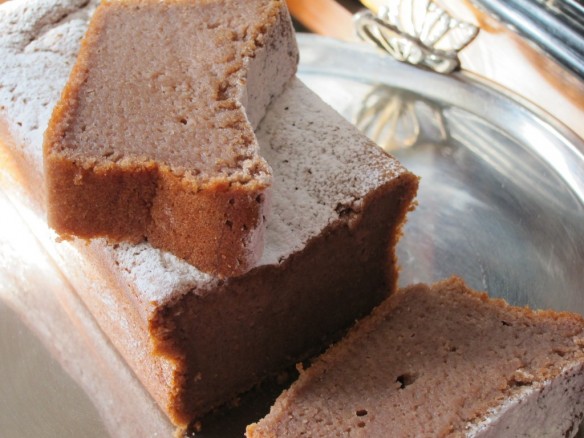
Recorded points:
(193, 339)
(153, 135)
(441, 360)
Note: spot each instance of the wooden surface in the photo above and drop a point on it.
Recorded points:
(497, 54)
(325, 17)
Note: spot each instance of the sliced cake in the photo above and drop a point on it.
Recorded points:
(195, 340)
(153, 135)
(441, 360)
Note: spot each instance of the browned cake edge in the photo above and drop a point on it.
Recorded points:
(131, 200)
(362, 250)
(275, 316)
(122, 314)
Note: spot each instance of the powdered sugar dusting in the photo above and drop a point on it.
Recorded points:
(39, 43)
(322, 166)
(156, 273)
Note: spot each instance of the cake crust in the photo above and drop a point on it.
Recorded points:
(330, 240)
(153, 137)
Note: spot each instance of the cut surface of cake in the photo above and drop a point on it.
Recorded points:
(441, 360)
(193, 339)
(153, 135)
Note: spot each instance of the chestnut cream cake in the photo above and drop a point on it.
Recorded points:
(196, 340)
(437, 361)
(153, 135)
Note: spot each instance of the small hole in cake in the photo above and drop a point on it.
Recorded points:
(229, 224)
(361, 412)
(183, 120)
(259, 199)
(231, 201)
(505, 323)
(222, 91)
(344, 210)
(361, 424)
(517, 383)
(244, 227)
(405, 379)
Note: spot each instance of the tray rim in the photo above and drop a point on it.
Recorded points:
(567, 142)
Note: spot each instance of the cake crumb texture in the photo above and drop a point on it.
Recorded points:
(441, 361)
(193, 339)
(153, 135)
(41, 44)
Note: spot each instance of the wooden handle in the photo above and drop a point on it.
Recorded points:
(325, 17)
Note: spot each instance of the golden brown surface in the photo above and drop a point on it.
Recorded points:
(275, 316)
(196, 341)
(151, 138)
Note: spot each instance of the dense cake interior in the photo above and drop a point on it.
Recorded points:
(318, 184)
(166, 83)
(328, 184)
(153, 138)
(429, 362)
(339, 202)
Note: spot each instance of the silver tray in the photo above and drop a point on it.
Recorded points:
(501, 204)
(501, 200)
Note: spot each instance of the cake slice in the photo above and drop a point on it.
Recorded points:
(441, 360)
(153, 136)
(194, 340)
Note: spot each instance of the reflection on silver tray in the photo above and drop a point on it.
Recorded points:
(501, 203)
